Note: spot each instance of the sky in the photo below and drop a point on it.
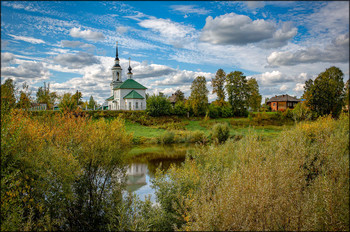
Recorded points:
(71, 45)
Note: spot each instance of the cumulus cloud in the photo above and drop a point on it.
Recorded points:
(27, 39)
(27, 70)
(74, 61)
(190, 9)
(7, 57)
(299, 87)
(154, 70)
(77, 44)
(283, 87)
(183, 77)
(277, 77)
(237, 29)
(336, 51)
(166, 27)
(86, 34)
(280, 37)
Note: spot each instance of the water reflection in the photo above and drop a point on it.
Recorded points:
(143, 166)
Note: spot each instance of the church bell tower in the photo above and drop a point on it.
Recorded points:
(116, 71)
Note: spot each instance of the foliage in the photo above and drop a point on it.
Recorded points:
(301, 112)
(60, 172)
(8, 96)
(297, 181)
(167, 137)
(254, 97)
(92, 103)
(214, 111)
(325, 95)
(199, 96)
(179, 96)
(218, 85)
(44, 96)
(158, 105)
(67, 103)
(226, 112)
(237, 91)
(220, 132)
(77, 98)
(179, 109)
(24, 98)
(347, 96)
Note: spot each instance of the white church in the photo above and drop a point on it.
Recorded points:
(127, 95)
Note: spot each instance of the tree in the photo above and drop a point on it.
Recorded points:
(67, 102)
(346, 90)
(218, 86)
(325, 95)
(179, 96)
(158, 105)
(8, 95)
(254, 97)
(237, 91)
(78, 96)
(24, 98)
(44, 96)
(199, 96)
(92, 103)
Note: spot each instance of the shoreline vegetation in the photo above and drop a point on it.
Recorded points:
(66, 171)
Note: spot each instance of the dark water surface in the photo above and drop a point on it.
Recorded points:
(147, 159)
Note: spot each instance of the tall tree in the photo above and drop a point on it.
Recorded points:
(78, 96)
(92, 103)
(44, 96)
(325, 95)
(24, 98)
(179, 96)
(8, 95)
(218, 86)
(67, 102)
(199, 96)
(254, 97)
(237, 91)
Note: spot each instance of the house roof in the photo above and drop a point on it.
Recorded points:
(130, 84)
(110, 98)
(172, 99)
(283, 98)
(133, 95)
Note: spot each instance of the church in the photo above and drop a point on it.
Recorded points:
(127, 95)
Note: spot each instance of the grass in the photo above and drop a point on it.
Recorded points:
(144, 131)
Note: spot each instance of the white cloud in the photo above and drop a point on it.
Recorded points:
(183, 77)
(75, 61)
(7, 57)
(336, 51)
(26, 71)
(283, 87)
(27, 39)
(299, 87)
(86, 34)
(190, 9)
(240, 30)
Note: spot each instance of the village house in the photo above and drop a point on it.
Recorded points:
(282, 102)
(127, 95)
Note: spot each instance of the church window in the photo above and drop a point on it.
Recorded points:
(129, 105)
(137, 105)
(141, 105)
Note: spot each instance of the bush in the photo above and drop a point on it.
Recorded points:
(301, 112)
(167, 137)
(158, 106)
(179, 109)
(214, 111)
(220, 132)
(226, 112)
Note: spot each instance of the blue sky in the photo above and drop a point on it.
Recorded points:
(71, 45)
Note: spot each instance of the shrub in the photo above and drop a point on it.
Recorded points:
(158, 105)
(179, 109)
(220, 132)
(214, 111)
(226, 112)
(167, 137)
(301, 112)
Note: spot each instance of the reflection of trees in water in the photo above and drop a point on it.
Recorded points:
(162, 164)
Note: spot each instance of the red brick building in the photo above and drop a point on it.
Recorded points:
(282, 102)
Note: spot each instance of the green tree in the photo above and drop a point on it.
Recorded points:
(67, 102)
(24, 98)
(346, 90)
(179, 96)
(158, 105)
(8, 95)
(218, 86)
(237, 91)
(78, 96)
(179, 108)
(44, 96)
(325, 95)
(199, 96)
(254, 97)
(92, 103)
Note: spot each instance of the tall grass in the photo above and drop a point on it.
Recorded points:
(297, 181)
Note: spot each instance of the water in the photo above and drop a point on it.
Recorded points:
(147, 159)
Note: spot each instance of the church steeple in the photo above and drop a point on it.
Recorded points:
(116, 69)
(129, 73)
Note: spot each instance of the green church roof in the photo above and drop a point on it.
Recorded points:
(130, 84)
(133, 95)
(110, 98)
